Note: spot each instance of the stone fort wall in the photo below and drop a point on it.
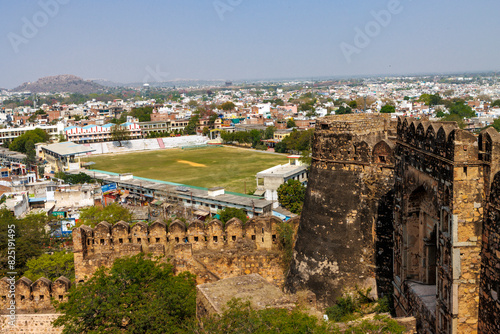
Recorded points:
(211, 251)
(345, 233)
(32, 296)
(419, 195)
(438, 222)
(30, 323)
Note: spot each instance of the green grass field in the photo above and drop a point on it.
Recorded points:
(205, 167)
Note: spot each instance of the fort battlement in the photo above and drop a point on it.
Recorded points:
(254, 242)
(348, 208)
(356, 124)
(33, 296)
(361, 139)
(416, 200)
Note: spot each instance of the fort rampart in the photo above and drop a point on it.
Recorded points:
(345, 233)
(210, 250)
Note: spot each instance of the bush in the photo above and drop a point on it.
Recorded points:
(229, 213)
(343, 310)
(51, 266)
(136, 295)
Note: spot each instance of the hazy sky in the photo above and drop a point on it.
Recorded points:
(160, 40)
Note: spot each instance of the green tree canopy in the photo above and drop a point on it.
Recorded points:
(291, 196)
(74, 178)
(30, 237)
(112, 214)
(227, 106)
(35, 136)
(29, 148)
(343, 110)
(495, 103)
(291, 123)
(462, 110)
(496, 124)
(454, 118)
(230, 213)
(388, 109)
(239, 317)
(51, 266)
(119, 133)
(137, 295)
(143, 114)
(430, 99)
(297, 141)
(269, 132)
(190, 128)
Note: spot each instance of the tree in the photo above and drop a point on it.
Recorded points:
(29, 148)
(61, 138)
(137, 295)
(495, 103)
(206, 131)
(291, 123)
(430, 100)
(30, 236)
(74, 178)
(36, 136)
(227, 106)
(388, 109)
(462, 110)
(112, 214)
(454, 118)
(51, 266)
(229, 213)
(343, 110)
(239, 317)
(496, 124)
(269, 132)
(353, 104)
(143, 114)
(190, 129)
(440, 113)
(298, 141)
(192, 104)
(119, 133)
(291, 195)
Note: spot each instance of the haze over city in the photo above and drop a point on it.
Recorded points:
(132, 41)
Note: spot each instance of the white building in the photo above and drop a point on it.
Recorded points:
(269, 180)
(10, 134)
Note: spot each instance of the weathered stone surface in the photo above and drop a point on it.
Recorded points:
(30, 323)
(31, 297)
(210, 251)
(348, 202)
(439, 185)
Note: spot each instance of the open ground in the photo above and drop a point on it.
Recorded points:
(205, 167)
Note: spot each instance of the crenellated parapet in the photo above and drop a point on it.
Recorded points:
(32, 296)
(100, 246)
(441, 139)
(355, 139)
(348, 205)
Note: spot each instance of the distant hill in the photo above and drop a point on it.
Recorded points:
(66, 83)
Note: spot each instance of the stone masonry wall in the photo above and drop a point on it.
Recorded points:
(348, 201)
(31, 296)
(211, 251)
(439, 200)
(30, 324)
